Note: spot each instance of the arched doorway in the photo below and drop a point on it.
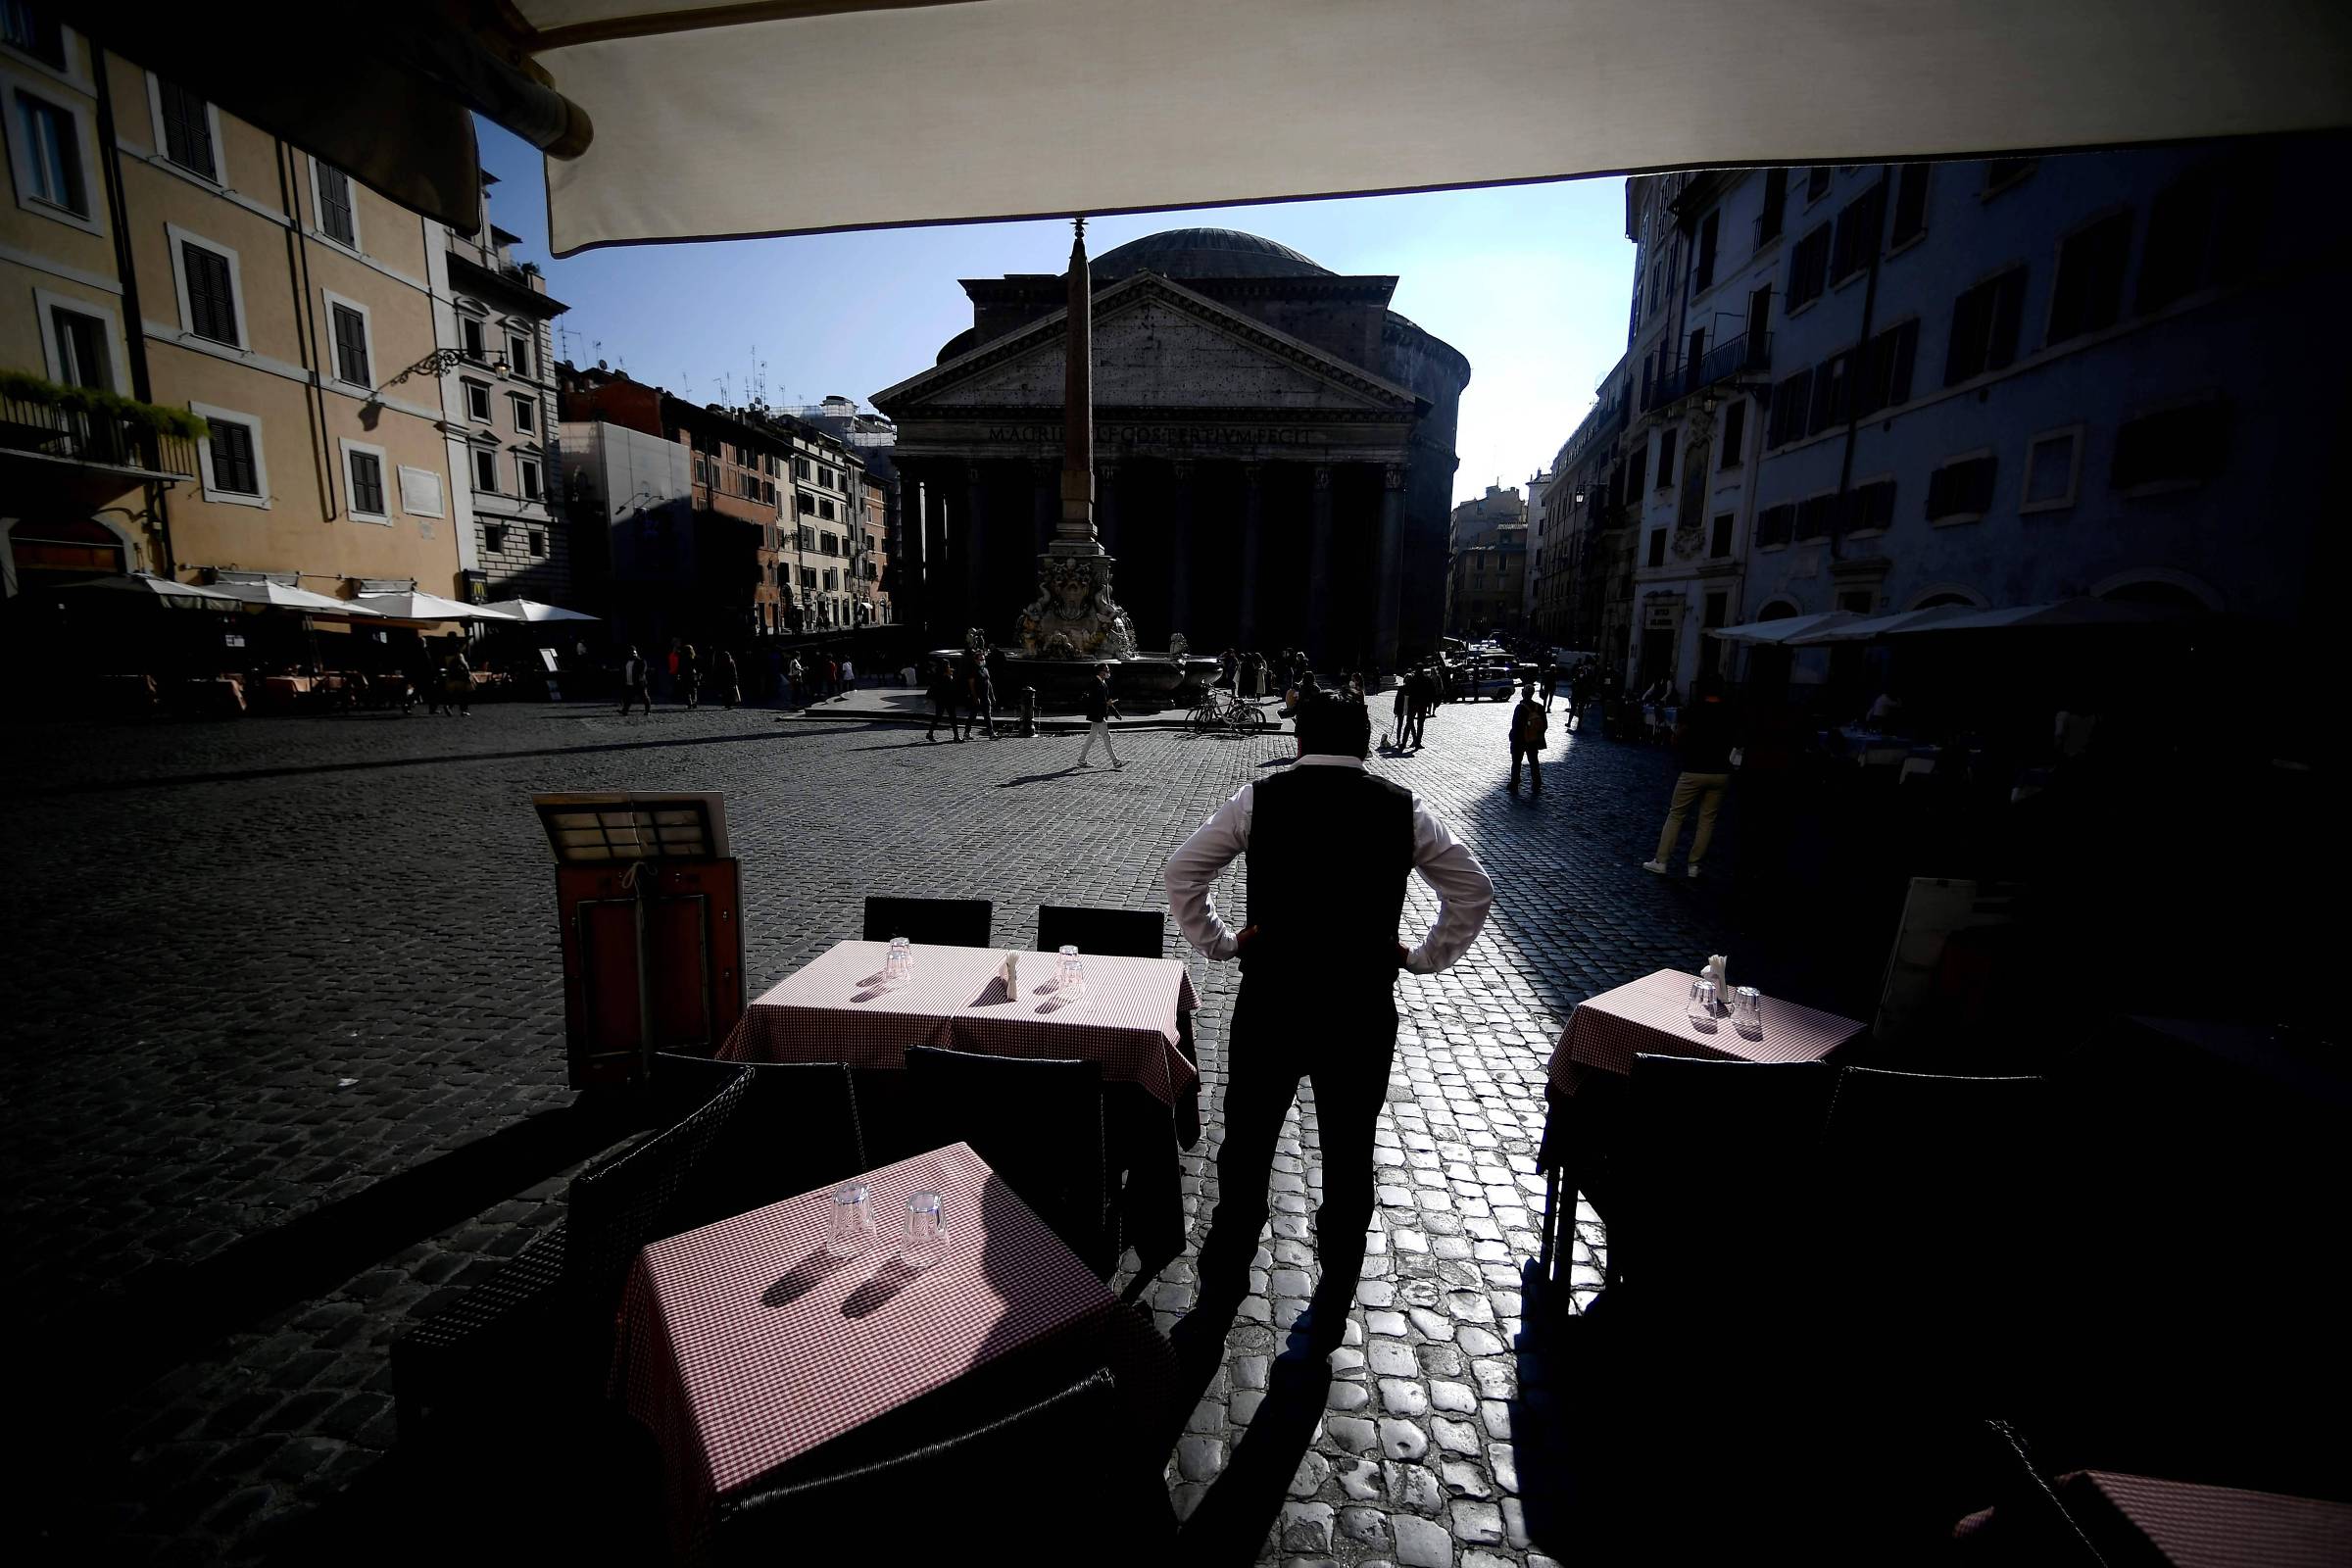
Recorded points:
(46, 553)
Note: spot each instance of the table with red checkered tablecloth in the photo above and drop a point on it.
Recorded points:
(837, 1008)
(745, 1347)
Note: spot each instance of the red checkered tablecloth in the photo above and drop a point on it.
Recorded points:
(836, 1008)
(1652, 1016)
(743, 1345)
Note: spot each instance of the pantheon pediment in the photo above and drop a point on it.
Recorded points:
(1157, 346)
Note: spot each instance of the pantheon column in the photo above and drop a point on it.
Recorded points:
(1045, 501)
(975, 553)
(1180, 560)
(1106, 506)
(1391, 579)
(1254, 522)
(1318, 575)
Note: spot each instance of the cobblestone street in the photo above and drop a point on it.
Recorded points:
(259, 969)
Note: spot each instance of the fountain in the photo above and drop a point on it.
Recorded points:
(1074, 623)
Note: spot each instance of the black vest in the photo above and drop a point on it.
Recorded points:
(1330, 849)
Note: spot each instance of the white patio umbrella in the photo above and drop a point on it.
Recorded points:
(533, 609)
(1787, 629)
(2064, 613)
(161, 589)
(416, 604)
(1862, 631)
(277, 595)
(662, 118)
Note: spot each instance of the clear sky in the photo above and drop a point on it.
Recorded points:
(1529, 281)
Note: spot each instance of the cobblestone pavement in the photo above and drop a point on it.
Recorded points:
(260, 969)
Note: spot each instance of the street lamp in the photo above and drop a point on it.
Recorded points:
(443, 360)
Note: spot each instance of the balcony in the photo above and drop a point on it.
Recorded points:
(102, 435)
(1744, 355)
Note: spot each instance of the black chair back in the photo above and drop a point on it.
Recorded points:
(934, 922)
(1715, 1164)
(620, 1203)
(1116, 933)
(800, 1128)
(984, 1485)
(1038, 1125)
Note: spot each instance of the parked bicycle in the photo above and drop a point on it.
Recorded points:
(1222, 711)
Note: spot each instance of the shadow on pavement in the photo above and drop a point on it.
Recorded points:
(1231, 1523)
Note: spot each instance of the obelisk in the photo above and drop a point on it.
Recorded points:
(1076, 534)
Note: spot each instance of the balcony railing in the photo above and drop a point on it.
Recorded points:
(97, 436)
(1744, 355)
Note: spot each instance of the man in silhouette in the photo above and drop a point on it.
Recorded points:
(1330, 848)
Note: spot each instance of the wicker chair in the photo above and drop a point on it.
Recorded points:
(1038, 1125)
(935, 922)
(1116, 933)
(532, 1336)
(800, 1128)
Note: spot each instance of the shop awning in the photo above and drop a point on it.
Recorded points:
(1787, 629)
(1862, 631)
(161, 590)
(684, 119)
(420, 605)
(279, 595)
(533, 609)
(2064, 613)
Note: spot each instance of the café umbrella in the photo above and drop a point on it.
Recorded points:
(1787, 629)
(161, 590)
(279, 595)
(535, 610)
(414, 604)
(1862, 631)
(2064, 613)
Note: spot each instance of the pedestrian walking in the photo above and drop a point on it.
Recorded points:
(1329, 850)
(849, 674)
(1422, 696)
(832, 677)
(796, 679)
(1402, 715)
(980, 692)
(1531, 721)
(1702, 740)
(943, 702)
(690, 676)
(730, 683)
(636, 681)
(460, 681)
(1100, 705)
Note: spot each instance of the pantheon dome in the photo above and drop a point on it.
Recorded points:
(1204, 253)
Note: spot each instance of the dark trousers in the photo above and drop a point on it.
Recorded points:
(943, 707)
(639, 693)
(1534, 766)
(1416, 726)
(978, 712)
(1344, 1052)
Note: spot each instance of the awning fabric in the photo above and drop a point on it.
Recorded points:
(1787, 629)
(2064, 613)
(792, 116)
(1862, 631)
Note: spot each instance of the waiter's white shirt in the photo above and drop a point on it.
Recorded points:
(1464, 889)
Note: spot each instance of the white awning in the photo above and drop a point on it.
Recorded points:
(788, 116)
(1862, 631)
(416, 604)
(279, 595)
(1787, 629)
(2064, 613)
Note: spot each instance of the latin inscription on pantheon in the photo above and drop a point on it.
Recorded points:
(1168, 435)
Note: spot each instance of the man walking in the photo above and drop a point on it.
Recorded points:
(1531, 721)
(636, 681)
(1702, 740)
(1100, 705)
(943, 702)
(1330, 848)
(980, 692)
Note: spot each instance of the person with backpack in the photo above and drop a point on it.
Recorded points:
(1528, 723)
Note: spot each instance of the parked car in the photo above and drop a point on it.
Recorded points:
(1490, 676)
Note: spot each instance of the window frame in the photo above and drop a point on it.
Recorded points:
(218, 177)
(351, 490)
(1956, 518)
(2076, 432)
(180, 238)
(518, 353)
(334, 343)
(524, 410)
(535, 488)
(317, 224)
(1730, 443)
(1791, 304)
(1853, 492)
(14, 88)
(471, 387)
(1897, 243)
(117, 353)
(1991, 186)
(2121, 308)
(474, 469)
(204, 457)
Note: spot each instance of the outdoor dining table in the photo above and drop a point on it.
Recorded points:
(1134, 1020)
(1650, 1016)
(745, 1348)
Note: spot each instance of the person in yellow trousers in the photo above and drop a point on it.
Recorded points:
(1702, 740)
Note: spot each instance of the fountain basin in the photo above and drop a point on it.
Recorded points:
(1145, 683)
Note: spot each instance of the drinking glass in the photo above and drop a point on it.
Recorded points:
(899, 963)
(853, 1229)
(1064, 963)
(1074, 987)
(1747, 1011)
(1703, 1006)
(926, 1236)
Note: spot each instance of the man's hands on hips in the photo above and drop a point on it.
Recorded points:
(1248, 934)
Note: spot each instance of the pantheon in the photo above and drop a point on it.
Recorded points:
(1273, 451)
